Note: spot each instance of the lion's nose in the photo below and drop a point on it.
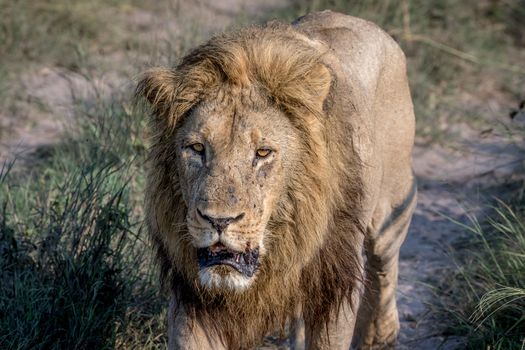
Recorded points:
(220, 223)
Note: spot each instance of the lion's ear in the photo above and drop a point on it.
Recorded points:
(158, 86)
(173, 92)
(319, 82)
(168, 93)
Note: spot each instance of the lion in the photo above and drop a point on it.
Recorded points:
(280, 186)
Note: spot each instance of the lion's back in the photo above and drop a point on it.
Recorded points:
(371, 97)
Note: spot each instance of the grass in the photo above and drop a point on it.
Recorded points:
(75, 267)
(76, 272)
(60, 33)
(485, 298)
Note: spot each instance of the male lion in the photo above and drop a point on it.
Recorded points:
(280, 184)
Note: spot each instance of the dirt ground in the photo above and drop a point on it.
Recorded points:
(451, 186)
(452, 182)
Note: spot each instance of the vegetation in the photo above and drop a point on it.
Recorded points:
(76, 271)
(61, 33)
(75, 267)
(485, 298)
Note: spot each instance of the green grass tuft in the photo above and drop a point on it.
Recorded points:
(485, 299)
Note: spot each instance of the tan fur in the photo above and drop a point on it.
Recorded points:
(332, 92)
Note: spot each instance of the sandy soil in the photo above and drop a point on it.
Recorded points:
(451, 183)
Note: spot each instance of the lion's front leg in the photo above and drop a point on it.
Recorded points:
(338, 333)
(185, 332)
(378, 320)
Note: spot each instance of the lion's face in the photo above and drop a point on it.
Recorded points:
(232, 162)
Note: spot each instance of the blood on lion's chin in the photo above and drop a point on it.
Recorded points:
(280, 185)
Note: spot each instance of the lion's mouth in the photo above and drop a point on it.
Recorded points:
(245, 263)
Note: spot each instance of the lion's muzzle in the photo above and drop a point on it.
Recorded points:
(219, 223)
(245, 263)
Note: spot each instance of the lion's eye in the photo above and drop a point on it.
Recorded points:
(198, 148)
(263, 152)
